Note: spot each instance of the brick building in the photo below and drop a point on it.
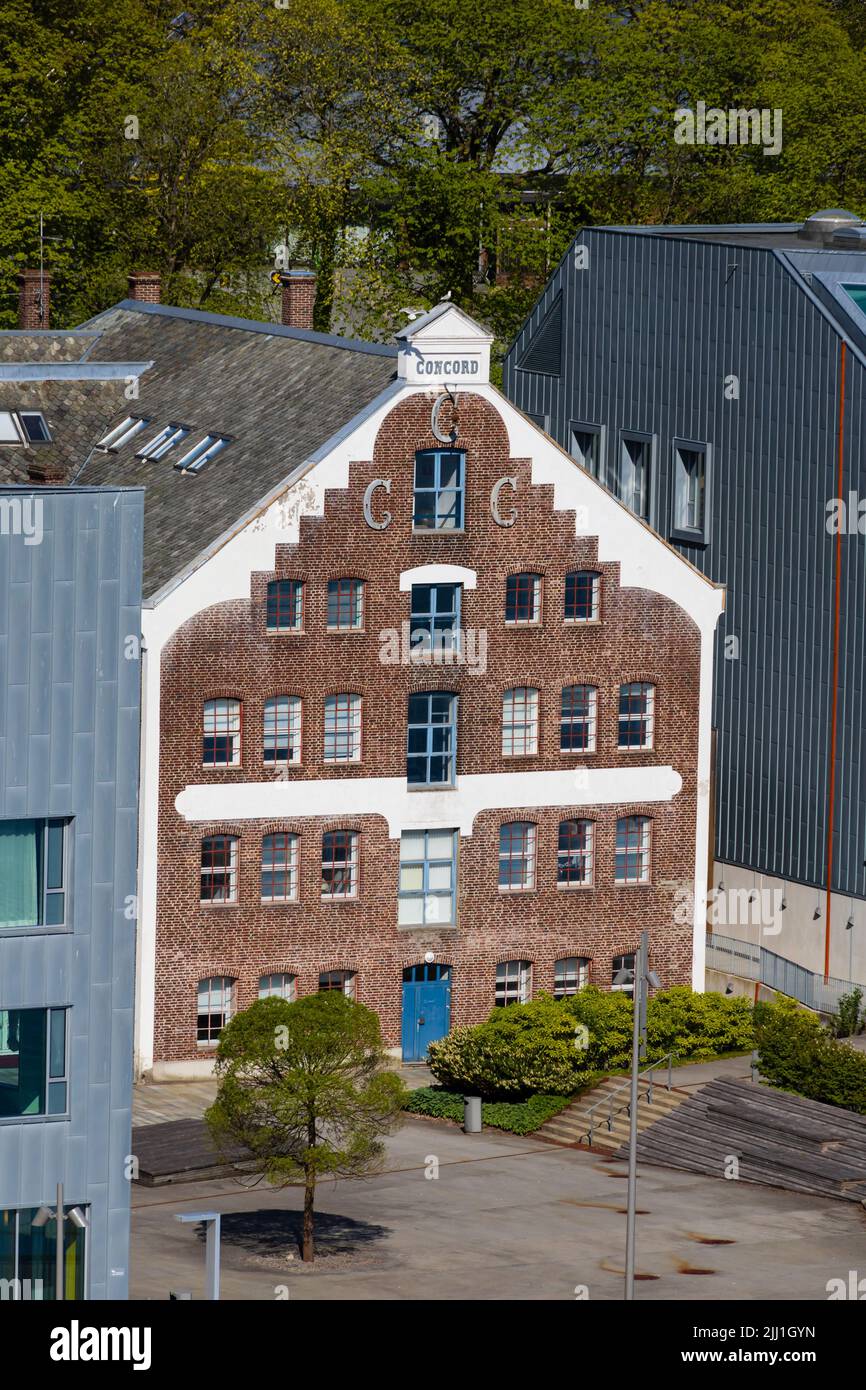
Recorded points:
(426, 711)
(447, 748)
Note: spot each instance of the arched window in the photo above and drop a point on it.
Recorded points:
(522, 599)
(516, 856)
(216, 1005)
(285, 606)
(582, 588)
(632, 856)
(578, 719)
(278, 987)
(221, 733)
(282, 730)
(570, 975)
(636, 715)
(519, 721)
(219, 869)
(342, 980)
(343, 729)
(513, 982)
(574, 859)
(279, 868)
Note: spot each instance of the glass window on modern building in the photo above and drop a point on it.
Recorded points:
(33, 873)
(33, 1062)
(28, 1254)
(633, 476)
(690, 490)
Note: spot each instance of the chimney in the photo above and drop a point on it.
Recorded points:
(145, 286)
(299, 296)
(34, 299)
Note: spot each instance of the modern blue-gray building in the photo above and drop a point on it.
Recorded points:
(70, 592)
(714, 379)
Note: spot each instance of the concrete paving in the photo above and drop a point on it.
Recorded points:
(506, 1218)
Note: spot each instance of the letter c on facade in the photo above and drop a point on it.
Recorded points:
(494, 502)
(368, 504)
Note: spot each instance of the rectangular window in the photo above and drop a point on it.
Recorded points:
(342, 980)
(575, 854)
(690, 486)
(194, 460)
(216, 1000)
(342, 729)
(285, 605)
(517, 856)
(163, 442)
(340, 864)
(578, 719)
(513, 983)
(279, 868)
(219, 869)
(435, 617)
(439, 486)
(428, 878)
(522, 599)
(632, 855)
(586, 448)
(33, 1062)
(520, 722)
(622, 973)
(345, 605)
(28, 1254)
(122, 433)
(282, 730)
(221, 733)
(33, 873)
(582, 589)
(633, 477)
(636, 715)
(431, 739)
(570, 976)
(35, 428)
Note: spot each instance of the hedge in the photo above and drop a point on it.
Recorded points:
(797, 1054)
(556, 1047)
(518, 1117)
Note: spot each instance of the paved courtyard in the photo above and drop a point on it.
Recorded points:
(506, 1218)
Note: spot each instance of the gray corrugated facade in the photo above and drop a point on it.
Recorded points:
(650, 330)
(69, 744)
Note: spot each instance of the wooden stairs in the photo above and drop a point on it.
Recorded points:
(778, 1139)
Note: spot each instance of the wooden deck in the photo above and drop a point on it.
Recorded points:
(778, 1139)
(180, 1151)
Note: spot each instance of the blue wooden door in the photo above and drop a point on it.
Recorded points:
(426, 1008)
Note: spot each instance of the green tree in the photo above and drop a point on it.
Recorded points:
(304, 1087)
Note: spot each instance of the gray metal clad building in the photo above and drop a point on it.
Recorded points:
(699, 373)
(70, 592)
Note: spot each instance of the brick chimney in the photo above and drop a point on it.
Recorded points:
(145, 286)
(299, 296)
(34, 299)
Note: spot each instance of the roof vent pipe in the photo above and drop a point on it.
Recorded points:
(822, 226)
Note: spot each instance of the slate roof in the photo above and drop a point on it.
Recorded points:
(279, 394)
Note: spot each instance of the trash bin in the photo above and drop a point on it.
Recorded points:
(471, 1114)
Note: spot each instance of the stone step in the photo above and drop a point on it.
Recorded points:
(570, 1126)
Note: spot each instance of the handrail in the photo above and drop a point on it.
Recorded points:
(751, 961)
(626, 1086)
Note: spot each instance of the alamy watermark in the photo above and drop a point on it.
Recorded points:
(22, 516)
(736, 126)
(405, 646)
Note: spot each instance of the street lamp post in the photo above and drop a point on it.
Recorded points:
(644, 980)
(60, 1217)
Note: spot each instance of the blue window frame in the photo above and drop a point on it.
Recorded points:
(439, 488)
(435, 618)
(33, 873)
(33, 1062)
(428, 876)
(431, 738)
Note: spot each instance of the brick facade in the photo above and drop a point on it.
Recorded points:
(298, 299)
(225, 651)
(34, 299)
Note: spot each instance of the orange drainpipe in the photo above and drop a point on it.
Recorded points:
(834, 706)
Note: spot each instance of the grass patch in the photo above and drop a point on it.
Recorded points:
(517, 1117)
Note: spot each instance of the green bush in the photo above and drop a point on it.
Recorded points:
(519, 1051)
(518, 1117)
(697, 1026)
(531, 1048)
(851, 1015)
(797, 1054)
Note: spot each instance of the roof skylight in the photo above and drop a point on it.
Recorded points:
(122, 433)
(202, 452)
(160, 445)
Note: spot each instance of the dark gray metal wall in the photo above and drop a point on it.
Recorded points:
(69, 743)
(651, 329)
